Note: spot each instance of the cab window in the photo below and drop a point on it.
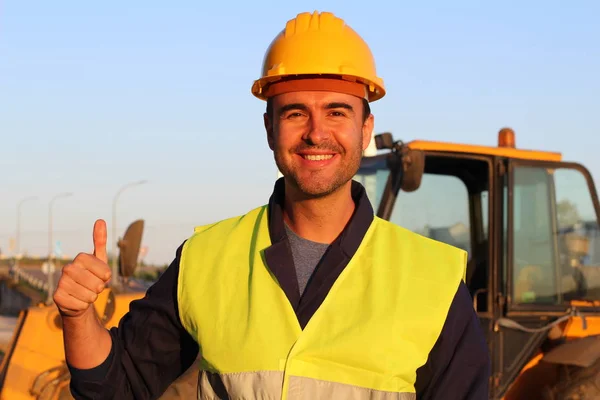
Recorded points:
(555, 237)
(439, 209)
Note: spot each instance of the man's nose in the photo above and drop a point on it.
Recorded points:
(316, 131)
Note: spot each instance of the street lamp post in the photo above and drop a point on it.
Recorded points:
(115, 270)
(18, 234)
(50, 247)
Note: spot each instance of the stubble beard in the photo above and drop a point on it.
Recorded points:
(316, 184)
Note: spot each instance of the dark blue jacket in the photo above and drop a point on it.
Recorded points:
(151, 348)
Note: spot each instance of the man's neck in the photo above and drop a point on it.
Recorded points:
(322, 219)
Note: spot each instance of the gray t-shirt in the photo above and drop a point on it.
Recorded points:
(307, 255)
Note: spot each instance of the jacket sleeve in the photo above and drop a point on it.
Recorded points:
(150, 348)
(458, 366)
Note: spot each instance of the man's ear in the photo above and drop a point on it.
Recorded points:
(269, 129)
(367, 130)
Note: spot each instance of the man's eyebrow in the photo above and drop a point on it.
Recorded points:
(292, 106)
(328, 106)
(339, 104)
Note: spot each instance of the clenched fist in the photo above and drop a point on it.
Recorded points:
(83, 279)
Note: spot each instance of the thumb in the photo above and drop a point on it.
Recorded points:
(100, 240)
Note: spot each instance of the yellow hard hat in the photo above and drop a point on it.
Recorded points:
(319, 46)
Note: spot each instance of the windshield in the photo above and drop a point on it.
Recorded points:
(439, 209)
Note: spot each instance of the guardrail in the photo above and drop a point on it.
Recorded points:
(20, 275)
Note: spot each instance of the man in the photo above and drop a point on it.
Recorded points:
(307, 297)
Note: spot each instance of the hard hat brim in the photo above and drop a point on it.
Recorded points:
(374, 91)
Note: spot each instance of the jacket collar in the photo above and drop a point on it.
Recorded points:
(348, 240)
(280, 260)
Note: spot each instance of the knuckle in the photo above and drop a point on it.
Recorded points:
(80, 257)
(67, 277)
(58, 297)
(60, 286)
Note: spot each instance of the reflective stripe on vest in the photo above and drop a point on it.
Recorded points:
(372, 332)
(267, 385)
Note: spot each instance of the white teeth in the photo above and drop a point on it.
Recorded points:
(318, 157)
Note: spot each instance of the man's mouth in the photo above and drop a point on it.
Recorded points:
(317, 157)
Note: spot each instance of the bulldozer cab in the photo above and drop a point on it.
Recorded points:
(529, 222)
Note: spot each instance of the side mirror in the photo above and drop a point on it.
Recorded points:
(384, 141)
(412, 161)
(413, 166)
(129, 248)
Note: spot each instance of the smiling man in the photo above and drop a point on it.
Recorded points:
(317, 135)
(321, 136)
(309, 296)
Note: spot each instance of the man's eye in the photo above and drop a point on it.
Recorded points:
(294, 115)
(337, 114)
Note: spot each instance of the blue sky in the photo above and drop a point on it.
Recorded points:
(94, 95)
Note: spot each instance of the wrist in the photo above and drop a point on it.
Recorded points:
(87, 343)
(85, 319)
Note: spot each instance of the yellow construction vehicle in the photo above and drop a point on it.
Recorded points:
(529, 221)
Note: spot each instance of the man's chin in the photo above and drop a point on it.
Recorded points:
(313, 187)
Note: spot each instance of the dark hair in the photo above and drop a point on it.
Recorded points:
(366, 109)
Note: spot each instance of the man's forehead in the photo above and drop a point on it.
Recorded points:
(315, 98)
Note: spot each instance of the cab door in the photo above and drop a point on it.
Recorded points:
(551, 256)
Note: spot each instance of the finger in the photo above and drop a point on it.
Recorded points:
(68, 303)
(92, 264)
(100, 240)
(84, 277)
(74, 289)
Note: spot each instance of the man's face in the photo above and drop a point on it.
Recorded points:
(318, 138)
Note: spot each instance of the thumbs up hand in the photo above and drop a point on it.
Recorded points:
(83, 279)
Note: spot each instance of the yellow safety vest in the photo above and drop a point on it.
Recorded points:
(372, 332)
